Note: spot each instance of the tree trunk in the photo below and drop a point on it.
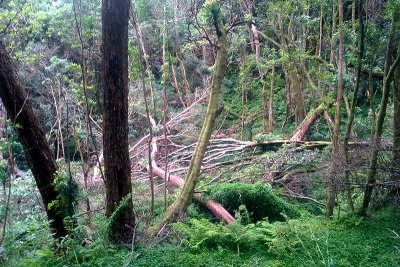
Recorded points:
(354, 99)
(372, 173)
(333, 45)
(338, 118)
(38, 154)
(396, 134)
(185, 197)
(271, 101)
(318, 49)
(115, 15)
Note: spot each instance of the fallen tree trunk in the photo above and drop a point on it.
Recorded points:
(175, 181)
(305, 125)
(375, 74)
(303, 128)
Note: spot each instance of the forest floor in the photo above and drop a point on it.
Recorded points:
(307, 241)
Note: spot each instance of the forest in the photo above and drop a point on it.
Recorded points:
(199, 133)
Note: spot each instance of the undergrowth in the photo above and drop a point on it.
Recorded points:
(295, 240)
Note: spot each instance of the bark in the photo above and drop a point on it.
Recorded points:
(38, 154)
(115, 15)
(321, 30)
(242, 51)
(265, 104)
(185, 197)
(372, 173)
(165, 105)
(142, 49)
(176, 86)
(150, 120)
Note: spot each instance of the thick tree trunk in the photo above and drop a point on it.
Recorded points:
(40, 158)
(115, 15)
(185, 197)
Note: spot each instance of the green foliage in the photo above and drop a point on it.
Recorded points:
(3, 171)
(211, 12)
(347, 242)
(242, 215)
(204, 234)
(12, 144)
(122, 205)
(68, 192)
(259, 199)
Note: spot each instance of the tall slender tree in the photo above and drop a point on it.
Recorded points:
(115, 17)
(221, 63)
(338, 115)
(360, 4)
(390, 70)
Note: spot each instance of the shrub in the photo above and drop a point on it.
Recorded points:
(260, 200)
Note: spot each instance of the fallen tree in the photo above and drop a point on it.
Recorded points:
(175, 181)
(303, 128)
(216, 209)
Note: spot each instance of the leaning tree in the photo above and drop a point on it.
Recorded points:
(37, 151)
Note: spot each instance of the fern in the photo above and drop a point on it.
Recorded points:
(115, 215)
(204, 234)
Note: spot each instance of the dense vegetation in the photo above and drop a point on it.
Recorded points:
(200, 133)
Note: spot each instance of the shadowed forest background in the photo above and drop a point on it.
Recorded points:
(200, 133)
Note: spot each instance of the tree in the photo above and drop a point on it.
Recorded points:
(360, 4)
(396, 133)
(390, 70)
(115, 16)
(338, 115)
(221, 64)
(40, 158)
